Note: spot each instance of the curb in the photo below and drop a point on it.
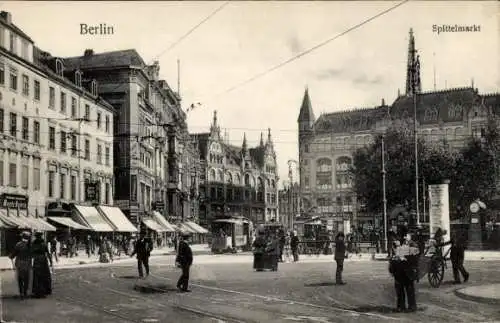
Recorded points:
(92, 262)
(474, 298)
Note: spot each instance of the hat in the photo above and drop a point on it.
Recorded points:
(25, 234)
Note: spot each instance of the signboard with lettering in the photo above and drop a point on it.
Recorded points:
(439, 210)
(14, 201)
(159, 206)
(92, 191)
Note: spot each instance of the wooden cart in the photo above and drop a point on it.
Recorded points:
(433, 264)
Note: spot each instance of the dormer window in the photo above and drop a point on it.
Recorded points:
(93, 87)
(78, 78)
(59, 67)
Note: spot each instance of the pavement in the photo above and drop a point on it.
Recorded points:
(483, 293)
(232, 292)
(82, 259)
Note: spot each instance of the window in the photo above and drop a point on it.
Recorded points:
(87, 112)
(2, 43)
(24, 49)
(62, 185)
(98, 120)
(36, 132)
(24, 174)
(52, 138)
(1, 172)
(25, 128)
(94, 87)
(63, 141)
(2, 73)
(52, 97)
(78, 78)
(87, 149)
(106, 124)
(51, 182)
(306, 148)
(59, 67)
(13, 79)
(26, 85)
(1, 120)
(63, 102)
(13, 40)
(107, 189)
(73, 187)
(73, 107)
(99, 154)
(36, 89)
(106, 156)
(36, 174)
(13, 124)
(74, 149)
(13, 174)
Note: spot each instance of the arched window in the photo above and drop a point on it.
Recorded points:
(78, 78)
(247, 180)
(343, 163)
(229, 178)
(273, 184)
(324, 165)
(59, 67)
(237, 179)
(220, 175)
(93, 87)
(211, 176)
(260, 184)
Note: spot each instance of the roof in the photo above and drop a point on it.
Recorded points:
(120, 58)
(16, 29)
(351, 120)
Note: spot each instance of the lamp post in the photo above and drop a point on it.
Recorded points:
(384, 198)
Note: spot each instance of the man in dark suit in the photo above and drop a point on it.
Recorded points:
(457, 256)
(340, 255)
(143, 248)
(184, 260)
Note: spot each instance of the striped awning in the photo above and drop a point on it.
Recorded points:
(163, 222)
(182, 227)
(36, 223)
(195, 226)
(153, 225)
(68, 222)
(5, 222)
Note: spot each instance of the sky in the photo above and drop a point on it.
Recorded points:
(245, 39)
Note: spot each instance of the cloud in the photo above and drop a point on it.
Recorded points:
(329, 73)
(294, 45)
(364, 79)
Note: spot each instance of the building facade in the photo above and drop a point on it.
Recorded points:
(151, 142)
(289, 205)
(56, 131)
(236, 181)
(327, 144)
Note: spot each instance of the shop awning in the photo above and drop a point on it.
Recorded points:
(163, 222)
(91, 217)
(195, 226)
(4, 220)
(68, 222)
(16, 220)
(153, 225)
(117, 219)
(36, 223)
(184, 228)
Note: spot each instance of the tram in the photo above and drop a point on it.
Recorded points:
(232, 234)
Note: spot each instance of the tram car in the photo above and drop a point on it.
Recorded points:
(231, 235)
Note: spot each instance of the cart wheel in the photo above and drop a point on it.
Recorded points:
(436, 272)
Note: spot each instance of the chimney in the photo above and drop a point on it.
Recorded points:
(6, 16)
(383, 102)
(88, 52)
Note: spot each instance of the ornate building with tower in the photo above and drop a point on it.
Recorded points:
(326, 144)
(236, 180)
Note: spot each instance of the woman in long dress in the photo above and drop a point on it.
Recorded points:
(42, 277)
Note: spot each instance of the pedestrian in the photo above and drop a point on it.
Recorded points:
(273, 251)
(457, 256)
(53, 248)
(281, 240)
(259, 247)
(286, 250)
(143, 247)
(294, 245)
(88, 242)
(403, 268)
(42, 276)
(22, 263)
(340, 255)
(184, 260)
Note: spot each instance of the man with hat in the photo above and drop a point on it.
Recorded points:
(184, 260)
(143, 248)
(23, 263)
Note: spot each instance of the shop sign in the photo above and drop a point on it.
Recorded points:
(14, 201)
(92, 191)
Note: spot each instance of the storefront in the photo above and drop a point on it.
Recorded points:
(200, 235)
(15, 217)
(169, 228)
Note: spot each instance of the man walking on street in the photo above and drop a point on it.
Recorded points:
(294, 245)
(340, 250)
(184, 260)
(143, 248)
(22, 260)
(457, 256)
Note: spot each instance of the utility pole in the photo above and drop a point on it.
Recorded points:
(384, 198)
(415, 94)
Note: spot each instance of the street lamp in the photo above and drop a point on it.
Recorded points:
(384, 198)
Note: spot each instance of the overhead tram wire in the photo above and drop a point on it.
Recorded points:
(310, 50)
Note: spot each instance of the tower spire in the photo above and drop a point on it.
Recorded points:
(261, 139)
(214, 128)
(413, 68)
(244, 146)
(269, 140)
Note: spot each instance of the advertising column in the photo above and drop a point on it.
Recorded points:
(439, 211)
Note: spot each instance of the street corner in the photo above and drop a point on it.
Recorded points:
(488, 294)
(152, 285)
